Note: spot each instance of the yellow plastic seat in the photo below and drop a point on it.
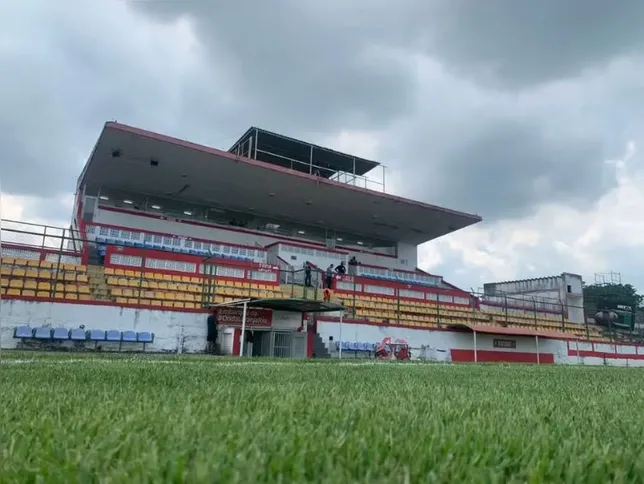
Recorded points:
(16, 283)
(30, 284)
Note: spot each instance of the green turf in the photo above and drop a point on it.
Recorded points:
(198, 420)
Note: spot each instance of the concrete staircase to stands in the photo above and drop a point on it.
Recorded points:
(319, 348)
(98, 287)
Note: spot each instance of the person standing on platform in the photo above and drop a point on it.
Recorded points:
(307, 274)
(329, 277)
(353, 264)
(211, 337)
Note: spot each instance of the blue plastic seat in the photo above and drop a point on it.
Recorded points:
(97, 335)
(113, 335)
(77, 334)
(145, 337)
(129, 337)
(42, 333)
(355, 346)
(60, 334)
(23, 332)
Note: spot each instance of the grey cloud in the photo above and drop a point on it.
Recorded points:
(72, 69)
(525, 43)
(294, 68)
(300, 69)
(504, 168)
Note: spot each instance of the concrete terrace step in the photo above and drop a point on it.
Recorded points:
(98, 283)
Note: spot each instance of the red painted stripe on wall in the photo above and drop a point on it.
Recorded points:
(604, 354)
(487, 356)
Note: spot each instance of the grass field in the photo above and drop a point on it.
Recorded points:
(160, 419)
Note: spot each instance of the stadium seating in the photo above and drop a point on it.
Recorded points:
(408, 312)
(165, 242)
(175, 291)
(71, 282)
(426, 314)
(60, 334)
(356, 346)
(39, 278)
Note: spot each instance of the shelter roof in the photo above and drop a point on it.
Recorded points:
(294, 305)
(300, 155)
(139, 161)
(500, 330)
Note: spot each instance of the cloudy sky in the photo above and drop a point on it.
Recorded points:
(529, 113)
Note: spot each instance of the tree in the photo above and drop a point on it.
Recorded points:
(609, 296)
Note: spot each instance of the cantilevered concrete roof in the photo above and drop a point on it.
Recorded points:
(136, 160)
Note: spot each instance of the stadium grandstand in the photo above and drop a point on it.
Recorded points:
(294, 247)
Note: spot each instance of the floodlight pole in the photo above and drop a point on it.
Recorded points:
(243, 329)
(340, 345)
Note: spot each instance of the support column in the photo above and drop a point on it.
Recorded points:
(476, 356)
(536, 340)
(242, 341)
(340, 342)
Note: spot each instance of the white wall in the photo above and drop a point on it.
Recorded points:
(408, 253)
(436, 345)
(297, 256)
(419, 338)
(283, 320)
(405, 252)
(574, 281)
(179, 228)
(169, 327)
(544, 289)
(540, 285)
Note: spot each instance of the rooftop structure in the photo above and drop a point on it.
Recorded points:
(304, 157)
(129, 159)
